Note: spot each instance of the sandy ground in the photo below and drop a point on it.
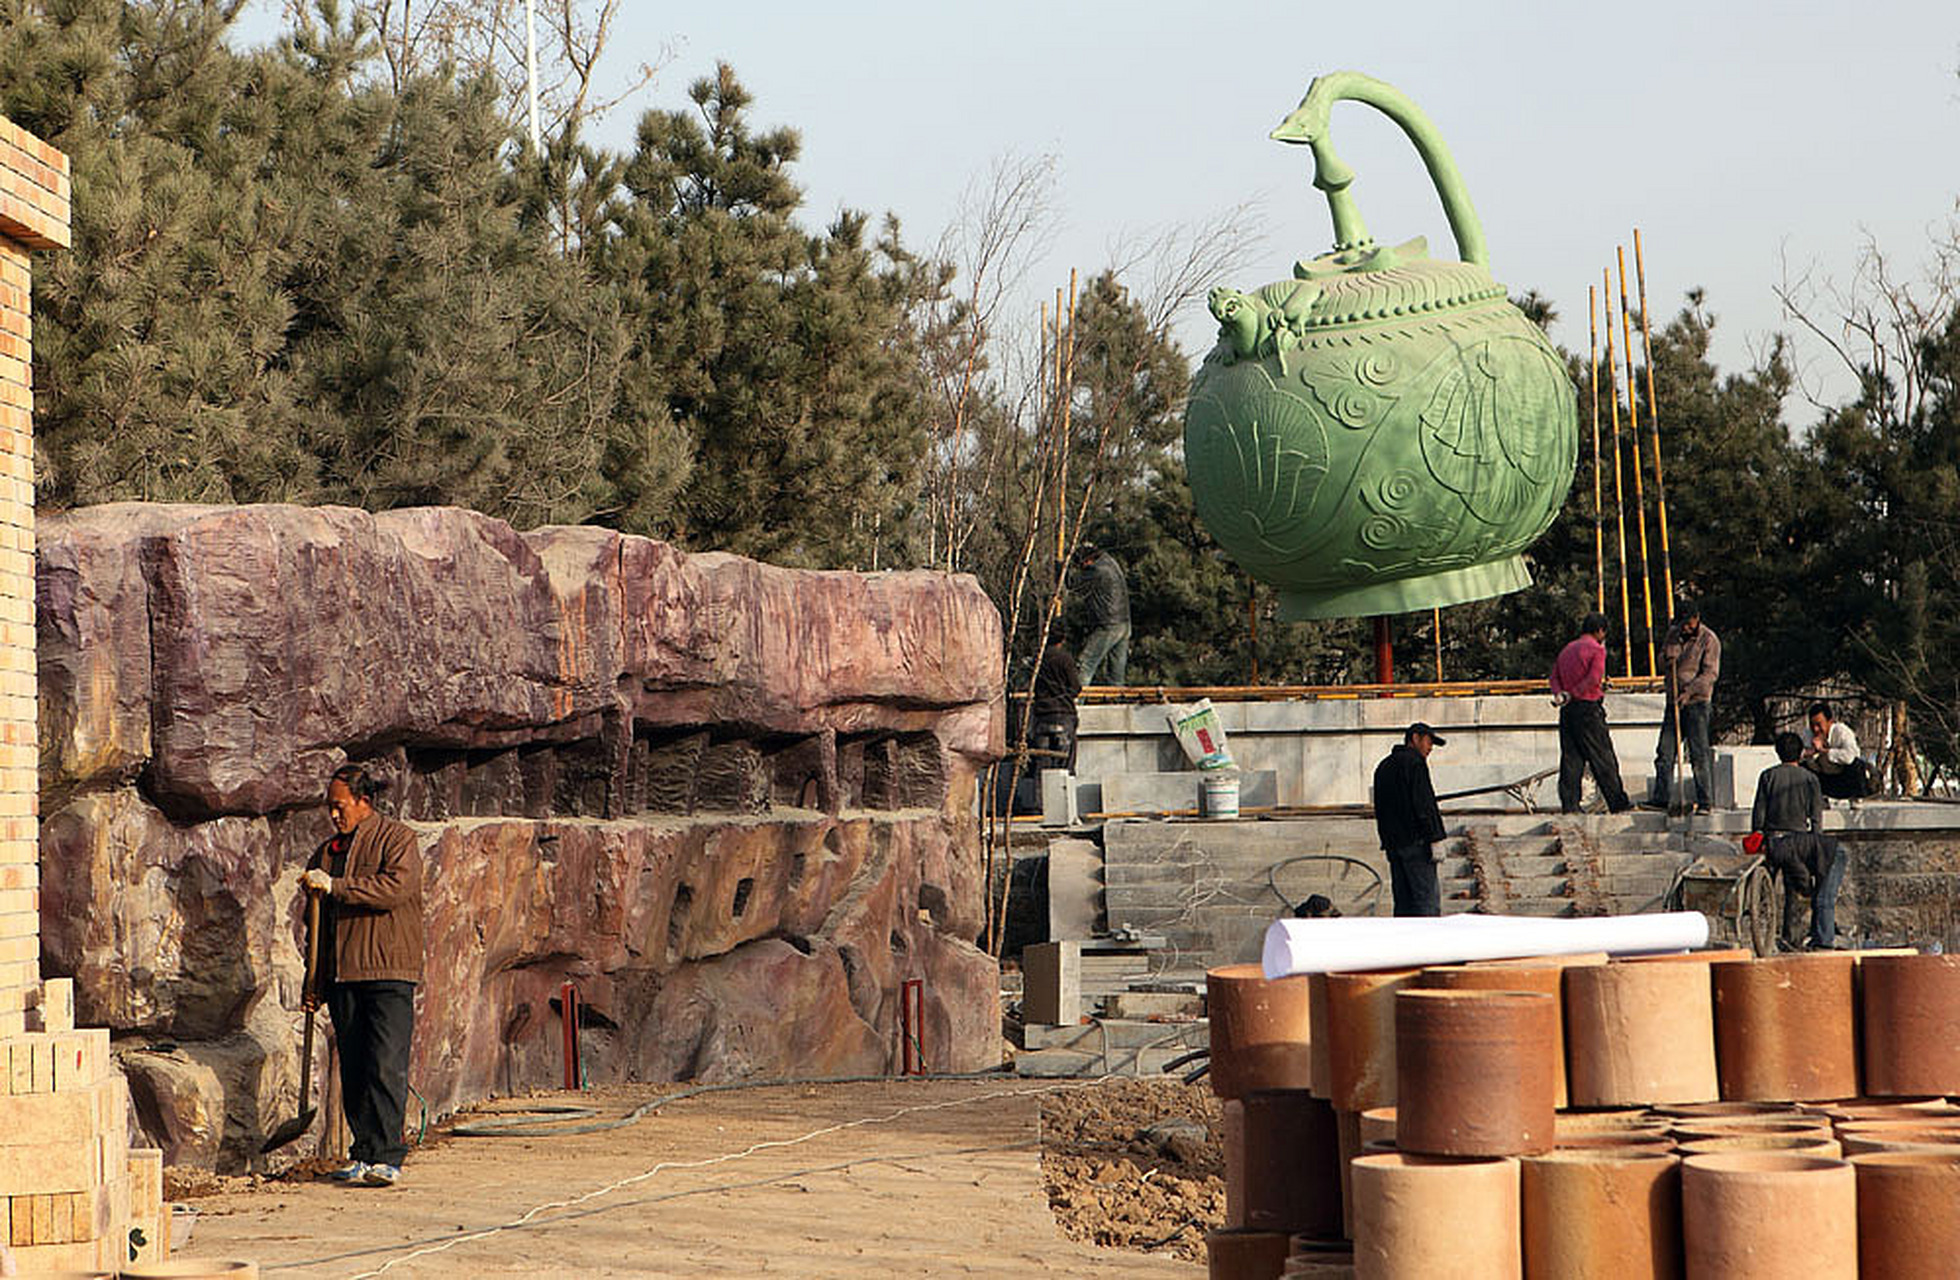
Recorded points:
(929, 1179)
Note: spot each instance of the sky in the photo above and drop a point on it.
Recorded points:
(1750, 142)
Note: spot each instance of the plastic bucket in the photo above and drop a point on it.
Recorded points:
(1222, 795)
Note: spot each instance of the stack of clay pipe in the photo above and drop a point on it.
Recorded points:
(1704, 1115)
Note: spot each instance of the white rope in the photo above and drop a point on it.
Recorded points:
(771, 1145)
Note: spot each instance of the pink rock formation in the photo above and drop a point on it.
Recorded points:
(733, 803)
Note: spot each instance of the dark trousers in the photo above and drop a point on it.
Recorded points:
(373, 1023)
(1701, 757)
(1412, 880)
(1843, 781)
(1823, 906)
(1584, 743)
(1109, 643)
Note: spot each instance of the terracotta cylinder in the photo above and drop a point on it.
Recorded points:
(1601, 1215)
(1689, 1130)
(1474, 1072)
(1231, 1142)
(1911, 1024)
(1727, 1110)
(1640, 1033)
(1543, 978)
(1259, 1031)
(1714, 955)
(1937, 1121)
(1623, 1143)
(1246, 1255)
(193, 1269)
(1914, 1109)
(1783, 1028)
(1600, 1121)
(1857, 1143)
(1377, 1125)
(1768, 1217)
(1907, 1223)
(1422, 1216)
(1290, 1178)
(1317, 1056)
(1786, 1143)
(1361, 1037)
(1347, 1126)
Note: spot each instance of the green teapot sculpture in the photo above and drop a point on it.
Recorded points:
(1384, 432)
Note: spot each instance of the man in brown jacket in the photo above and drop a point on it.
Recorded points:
(1692, 658)
(369, 876)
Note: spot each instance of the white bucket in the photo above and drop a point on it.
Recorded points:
(1222, 795)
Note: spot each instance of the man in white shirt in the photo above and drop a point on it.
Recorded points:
(1833, 756)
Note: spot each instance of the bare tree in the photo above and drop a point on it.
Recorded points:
(477, 37)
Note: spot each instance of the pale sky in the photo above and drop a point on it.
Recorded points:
(1735, 135)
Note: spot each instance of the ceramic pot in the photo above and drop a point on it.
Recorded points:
(1733, 1204)
(1907, 1223)
(1909, 1109)
(1246, 1255)
(1857, 1142)
(1936, 1121)
(1474, 1072)
(192, 1269)
(1607, 1120)
(1422, 1216)
(1290, 1177)
(1640, 1033)
(1601, 1215)
(1543, 978)
(1378, 1125)
(1784, 1029)
(1361, 1037)
(1783, 1143)
(1259, 1031)
(1911, 1024)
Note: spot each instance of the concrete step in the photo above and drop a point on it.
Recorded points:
(1065, 1063)
(1545, 907)
(1116, 1033)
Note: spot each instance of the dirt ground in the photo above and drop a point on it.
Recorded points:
(1135, 1164)
(940, 1178)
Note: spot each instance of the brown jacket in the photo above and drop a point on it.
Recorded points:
(377, 905)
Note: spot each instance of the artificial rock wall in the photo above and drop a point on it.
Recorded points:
(733, 803)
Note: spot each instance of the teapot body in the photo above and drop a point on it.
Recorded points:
(1385, 432)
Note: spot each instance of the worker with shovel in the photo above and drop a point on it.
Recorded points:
(368, 878)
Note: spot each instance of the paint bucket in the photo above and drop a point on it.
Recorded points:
(1222, 795)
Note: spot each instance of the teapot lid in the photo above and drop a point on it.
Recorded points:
(1370, 283)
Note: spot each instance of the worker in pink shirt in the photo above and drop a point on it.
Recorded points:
(1578, 689)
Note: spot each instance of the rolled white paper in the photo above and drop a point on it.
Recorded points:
(1350, 943)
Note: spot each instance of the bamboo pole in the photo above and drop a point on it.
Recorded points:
(1619, 481)
(1599, 513)
(1639, 484)
(1654, 426)
(1061, 430)
(1436, 619)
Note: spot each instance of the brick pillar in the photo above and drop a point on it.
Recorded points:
(74, 1194)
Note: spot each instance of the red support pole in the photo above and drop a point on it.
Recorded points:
(1384, 652)
(568, 1008)
(911, 1027)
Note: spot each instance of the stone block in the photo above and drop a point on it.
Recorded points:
(1074, 889)
(1051, 983)
(1058, 798)
(55, 1009)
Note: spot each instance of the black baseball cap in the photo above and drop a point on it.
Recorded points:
(1425, 731)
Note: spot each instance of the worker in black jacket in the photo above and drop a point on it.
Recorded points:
(1409, 823)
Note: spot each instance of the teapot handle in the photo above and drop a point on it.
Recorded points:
(1309, 124)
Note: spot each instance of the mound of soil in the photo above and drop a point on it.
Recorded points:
(1135, 1164)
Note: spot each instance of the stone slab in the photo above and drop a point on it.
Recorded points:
(1051, 983)
(1143, 793)
(1074, 888)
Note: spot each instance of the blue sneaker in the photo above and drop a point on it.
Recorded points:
(382, 1175)
(350, 1173)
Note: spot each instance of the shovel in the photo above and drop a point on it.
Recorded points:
(299, 1124)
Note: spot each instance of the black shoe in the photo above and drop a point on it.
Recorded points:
(1702, 811)
(1657, 805)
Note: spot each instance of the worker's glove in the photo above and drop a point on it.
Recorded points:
(1560, 699)
(318, 881)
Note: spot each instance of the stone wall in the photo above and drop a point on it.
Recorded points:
(733, 803)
